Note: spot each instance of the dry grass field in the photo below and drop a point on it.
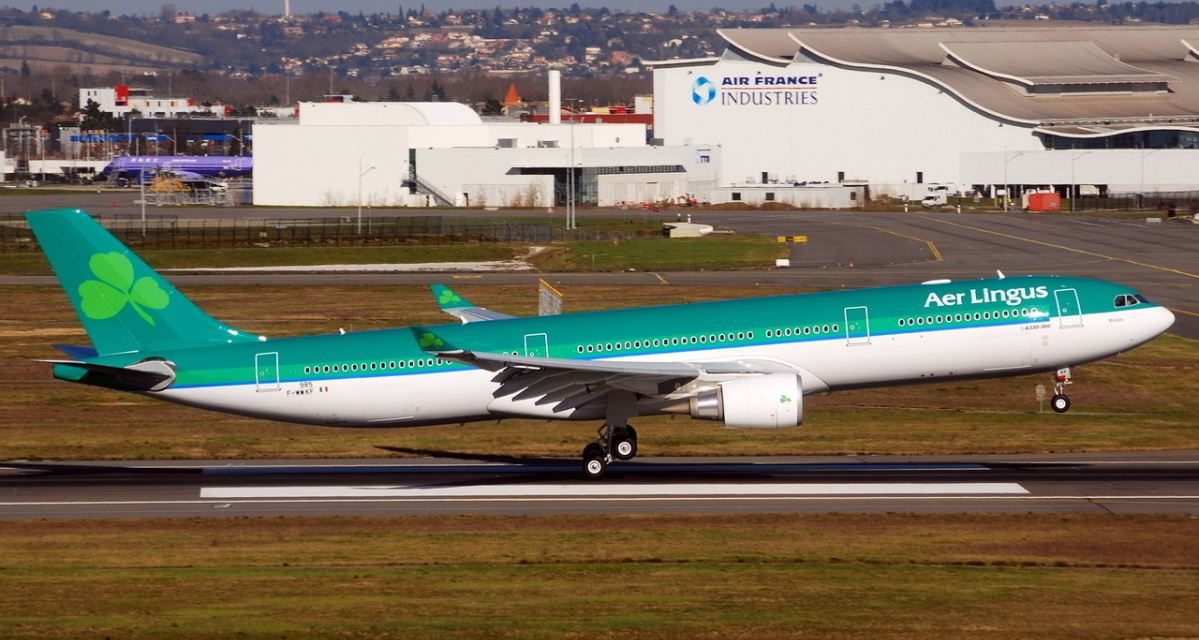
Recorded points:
(748, 576)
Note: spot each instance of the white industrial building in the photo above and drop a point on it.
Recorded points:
(422, 154)
(123, 100)
(896, 109)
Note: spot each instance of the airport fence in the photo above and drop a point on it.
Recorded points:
(166, 232)
(1165, 203)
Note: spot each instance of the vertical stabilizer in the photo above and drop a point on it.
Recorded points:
(124, 305)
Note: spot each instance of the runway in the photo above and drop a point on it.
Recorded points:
(1080, 483)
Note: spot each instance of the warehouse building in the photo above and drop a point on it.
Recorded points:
(1115, 109)
(430, 154)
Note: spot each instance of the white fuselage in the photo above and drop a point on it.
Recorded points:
(462, 394)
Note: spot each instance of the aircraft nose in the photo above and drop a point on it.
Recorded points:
(1163, 319)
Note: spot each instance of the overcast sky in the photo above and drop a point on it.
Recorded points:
(139, 7)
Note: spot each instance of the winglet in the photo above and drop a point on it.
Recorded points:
(431, 342)
(447, 298)
(454, 304)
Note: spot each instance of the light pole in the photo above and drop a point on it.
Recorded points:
(141, 182)
(1007, 201)
(570, 206)
(1073, 183)
(571, 187)
(361, 173)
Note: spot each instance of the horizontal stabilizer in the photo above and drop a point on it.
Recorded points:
(148, 375)
(77, 352)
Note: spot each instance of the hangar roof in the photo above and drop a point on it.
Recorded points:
(1048, 77)
(388, 114)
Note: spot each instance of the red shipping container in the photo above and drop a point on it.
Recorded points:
(1045, 202)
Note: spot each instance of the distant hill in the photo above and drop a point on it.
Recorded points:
(50, 47)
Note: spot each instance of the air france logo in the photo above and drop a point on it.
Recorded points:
(758, 90)
(703, 91)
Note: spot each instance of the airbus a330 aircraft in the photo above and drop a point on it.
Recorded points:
(748, 363)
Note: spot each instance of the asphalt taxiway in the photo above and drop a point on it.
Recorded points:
(1079, 483)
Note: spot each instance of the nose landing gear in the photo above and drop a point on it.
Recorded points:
(1060, 402)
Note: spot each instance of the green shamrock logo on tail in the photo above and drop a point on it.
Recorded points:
(115, 287)
(448, 296)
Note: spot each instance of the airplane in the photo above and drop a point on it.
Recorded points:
(748, 363)
(126, 170)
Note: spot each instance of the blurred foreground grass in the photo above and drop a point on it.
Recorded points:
(659, 576)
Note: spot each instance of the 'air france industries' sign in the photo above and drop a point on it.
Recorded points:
(755, 90)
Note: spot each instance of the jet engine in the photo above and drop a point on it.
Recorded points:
(770, 401)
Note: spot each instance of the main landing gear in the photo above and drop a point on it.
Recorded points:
(617, 438)
(613, 442)
(1060, 402)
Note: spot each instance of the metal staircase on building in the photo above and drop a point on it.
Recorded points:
(439, 198)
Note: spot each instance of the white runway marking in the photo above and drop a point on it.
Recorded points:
(619, 491)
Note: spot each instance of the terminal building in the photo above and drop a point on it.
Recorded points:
(1112, 109)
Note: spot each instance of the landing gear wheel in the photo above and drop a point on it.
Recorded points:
(595, 461)
(625, 447)
(1060, 403)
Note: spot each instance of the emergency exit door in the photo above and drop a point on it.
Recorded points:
(266, 371)
(1069, 311)
(857, 325)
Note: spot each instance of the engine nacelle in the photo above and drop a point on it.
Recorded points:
(770, 401)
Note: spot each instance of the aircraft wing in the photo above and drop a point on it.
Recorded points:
(568, 383)
(461, 308)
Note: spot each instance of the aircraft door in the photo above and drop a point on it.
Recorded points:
(857, 325)
(1069, 312)
(266, 371)
(537, 345)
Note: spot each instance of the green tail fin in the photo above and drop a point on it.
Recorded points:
(123, 304)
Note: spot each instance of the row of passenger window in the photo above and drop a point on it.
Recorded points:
(966, 317)
(390, 365)
(806, 331)
(664, 342)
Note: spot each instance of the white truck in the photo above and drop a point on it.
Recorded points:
(937, 196)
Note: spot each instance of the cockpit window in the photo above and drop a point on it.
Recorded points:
(1128, 300)
(1142, 298)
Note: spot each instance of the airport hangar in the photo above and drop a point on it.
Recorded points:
(1113, 108)
(813, 117)
(443, 153)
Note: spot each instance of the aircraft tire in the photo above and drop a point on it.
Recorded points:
(1060, 403)
(626, 446)
(595, 462)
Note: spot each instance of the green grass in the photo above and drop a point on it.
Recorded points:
(34, 263)
(748, 576)
(663, 254)
(644, 254)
